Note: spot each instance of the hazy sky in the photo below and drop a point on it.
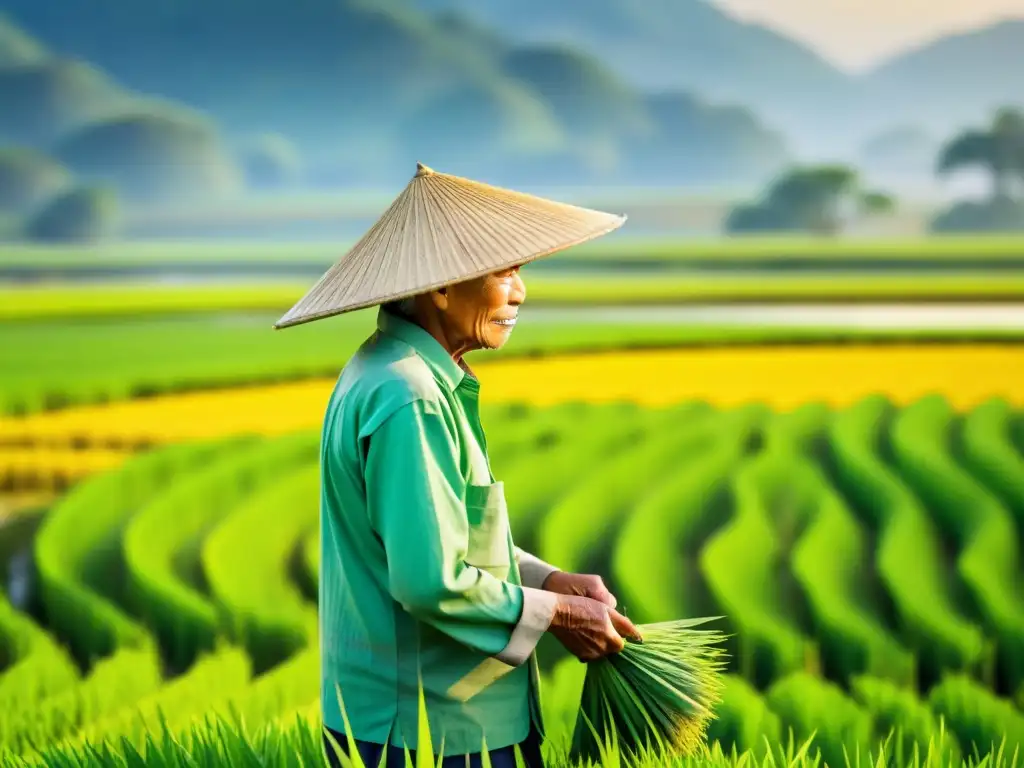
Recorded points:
(857, 33)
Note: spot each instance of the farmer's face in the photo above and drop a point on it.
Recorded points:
(481, 313)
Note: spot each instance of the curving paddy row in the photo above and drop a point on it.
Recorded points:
(867, 558)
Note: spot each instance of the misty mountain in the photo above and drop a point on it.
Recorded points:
(685, 45)
(43, 95)
(320, 72)
(16, 47)
(955, 82)
(363, 90)
(692, 46)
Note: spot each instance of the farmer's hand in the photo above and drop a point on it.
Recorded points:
(590, 629)
(582, 584)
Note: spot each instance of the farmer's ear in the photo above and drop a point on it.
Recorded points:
(440, 298)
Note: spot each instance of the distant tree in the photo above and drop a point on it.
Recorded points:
(998, 149)
(998, 215)
(27, 178)
(84, 214)
(818, 199)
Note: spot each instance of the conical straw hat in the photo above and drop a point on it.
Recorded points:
(444, 229)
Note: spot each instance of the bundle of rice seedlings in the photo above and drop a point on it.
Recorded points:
(655, 699)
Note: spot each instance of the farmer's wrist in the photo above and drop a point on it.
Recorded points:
(550, 583)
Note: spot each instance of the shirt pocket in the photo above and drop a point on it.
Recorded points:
(488, 547)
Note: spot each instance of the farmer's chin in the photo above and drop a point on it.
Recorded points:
(495, 339)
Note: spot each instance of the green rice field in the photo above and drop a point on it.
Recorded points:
(133, 300)
(614, 248)
(862, 604)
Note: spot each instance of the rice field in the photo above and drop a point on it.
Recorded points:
(866, 558)
(92, 300)
(780, 376)
(849, 501)
(51, 364)
(617, 248)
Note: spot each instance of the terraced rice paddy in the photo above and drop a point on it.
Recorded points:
(867, 558)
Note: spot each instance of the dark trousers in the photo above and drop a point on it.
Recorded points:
(505, 757)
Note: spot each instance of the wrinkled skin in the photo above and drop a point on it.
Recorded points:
(582, 584)
(473, 314)
(589, 628)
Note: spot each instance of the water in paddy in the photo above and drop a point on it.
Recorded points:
(988, 316)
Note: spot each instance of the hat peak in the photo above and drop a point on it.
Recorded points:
(423, 170)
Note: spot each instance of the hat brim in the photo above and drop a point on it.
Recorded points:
(442, 230)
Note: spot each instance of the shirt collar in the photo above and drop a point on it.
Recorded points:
(425, 345)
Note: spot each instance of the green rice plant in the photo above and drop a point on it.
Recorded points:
(218, 686)
(982, 721)
(309, 563)
(536, 476)
(827, 560)
(518, 428)
(294, 739)
(828, 550)
(33, 665)
(899, 713)
(828, 554)
(743, 564)
(218, 674)
(246, 560)
(561, 691)
(604, 493)
(78, 552)
(799, 430)
(669, 524)
(294, 683)
(988, 453)
(743, 721)
(1016, 430)
(114, 682)
(656, 697)
(988, 557)
(818, 710)
(162, 543)
(923, 600)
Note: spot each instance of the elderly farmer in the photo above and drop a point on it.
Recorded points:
(419, 578)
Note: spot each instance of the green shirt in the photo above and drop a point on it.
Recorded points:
(419, 574)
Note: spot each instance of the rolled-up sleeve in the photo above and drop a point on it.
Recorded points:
(415, 495)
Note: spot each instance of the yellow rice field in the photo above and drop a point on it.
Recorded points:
(783, 377)
(56, 467)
